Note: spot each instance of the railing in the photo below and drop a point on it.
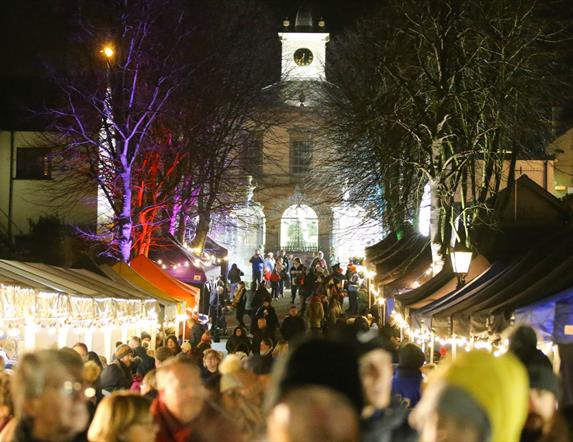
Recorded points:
(301, 247)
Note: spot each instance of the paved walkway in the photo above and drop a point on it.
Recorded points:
(281, 306)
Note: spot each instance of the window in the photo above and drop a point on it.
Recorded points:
(301, 155)
(299, 229)
(252, 159)
(33, 163)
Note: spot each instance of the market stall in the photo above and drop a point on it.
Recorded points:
(44, 306)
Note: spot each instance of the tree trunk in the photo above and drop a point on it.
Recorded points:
(202, 230)
(435, 228)
(124, 222)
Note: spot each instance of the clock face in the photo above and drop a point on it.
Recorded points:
(303, 57)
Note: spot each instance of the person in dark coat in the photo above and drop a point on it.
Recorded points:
(385, 418)
(146, 363)
(293, 325)
(297, 274)
(262, 332)
(262, 362)
(408, 377)
(268, 312)
(260, 295)
(239, 341)
(196, 330)
(117, 375)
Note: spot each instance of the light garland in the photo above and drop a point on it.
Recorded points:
(457, 343)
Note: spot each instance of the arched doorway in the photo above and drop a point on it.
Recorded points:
(299, 229)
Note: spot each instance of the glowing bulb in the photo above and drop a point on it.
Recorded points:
(159, 262)
(108, 51)
(186, 263)
(164, 266)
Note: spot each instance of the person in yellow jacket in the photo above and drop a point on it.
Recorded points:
(476, 397)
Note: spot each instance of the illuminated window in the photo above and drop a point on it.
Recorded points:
(33, 163)
(299, 229)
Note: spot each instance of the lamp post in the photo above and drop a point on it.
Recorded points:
(381, 311)
(461, 260)
(104, 208)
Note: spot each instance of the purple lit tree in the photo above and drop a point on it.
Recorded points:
(126, 67)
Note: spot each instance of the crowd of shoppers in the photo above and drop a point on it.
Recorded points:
(315, 375)
(339, 387)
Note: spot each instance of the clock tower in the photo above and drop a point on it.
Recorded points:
(303, 47)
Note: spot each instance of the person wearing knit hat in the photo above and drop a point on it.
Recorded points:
(117, 375)
(544, 386)
(476, 397)
(328, 363)
(408, 377)
(544, 418)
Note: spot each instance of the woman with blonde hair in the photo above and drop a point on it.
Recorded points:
(123, 417)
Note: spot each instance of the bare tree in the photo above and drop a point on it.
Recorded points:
(115, 96)
(220, 113)
(440, 93)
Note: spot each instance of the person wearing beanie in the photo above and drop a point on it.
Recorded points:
(523, 344)
(543, 419)
(324, 362)
(408, 377)
(384, 417)
(117, 375)
(475, 398)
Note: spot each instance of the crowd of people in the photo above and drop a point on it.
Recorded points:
(340, 387)
(289, 379)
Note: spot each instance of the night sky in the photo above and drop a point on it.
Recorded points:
(32, 30)
(34, 33)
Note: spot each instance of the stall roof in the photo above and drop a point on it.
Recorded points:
(76, 282)
(121, 271)
(415, 271)
(381, 248)
(479, 266)
(551, 316)
(528, 274)
(165, 282)
(438, 281)
(469, 289)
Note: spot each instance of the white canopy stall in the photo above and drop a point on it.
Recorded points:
(43, 306)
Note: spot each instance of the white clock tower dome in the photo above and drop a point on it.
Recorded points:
(304, 47)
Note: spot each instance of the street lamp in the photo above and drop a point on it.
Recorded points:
(108, 51)
(461, 259)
